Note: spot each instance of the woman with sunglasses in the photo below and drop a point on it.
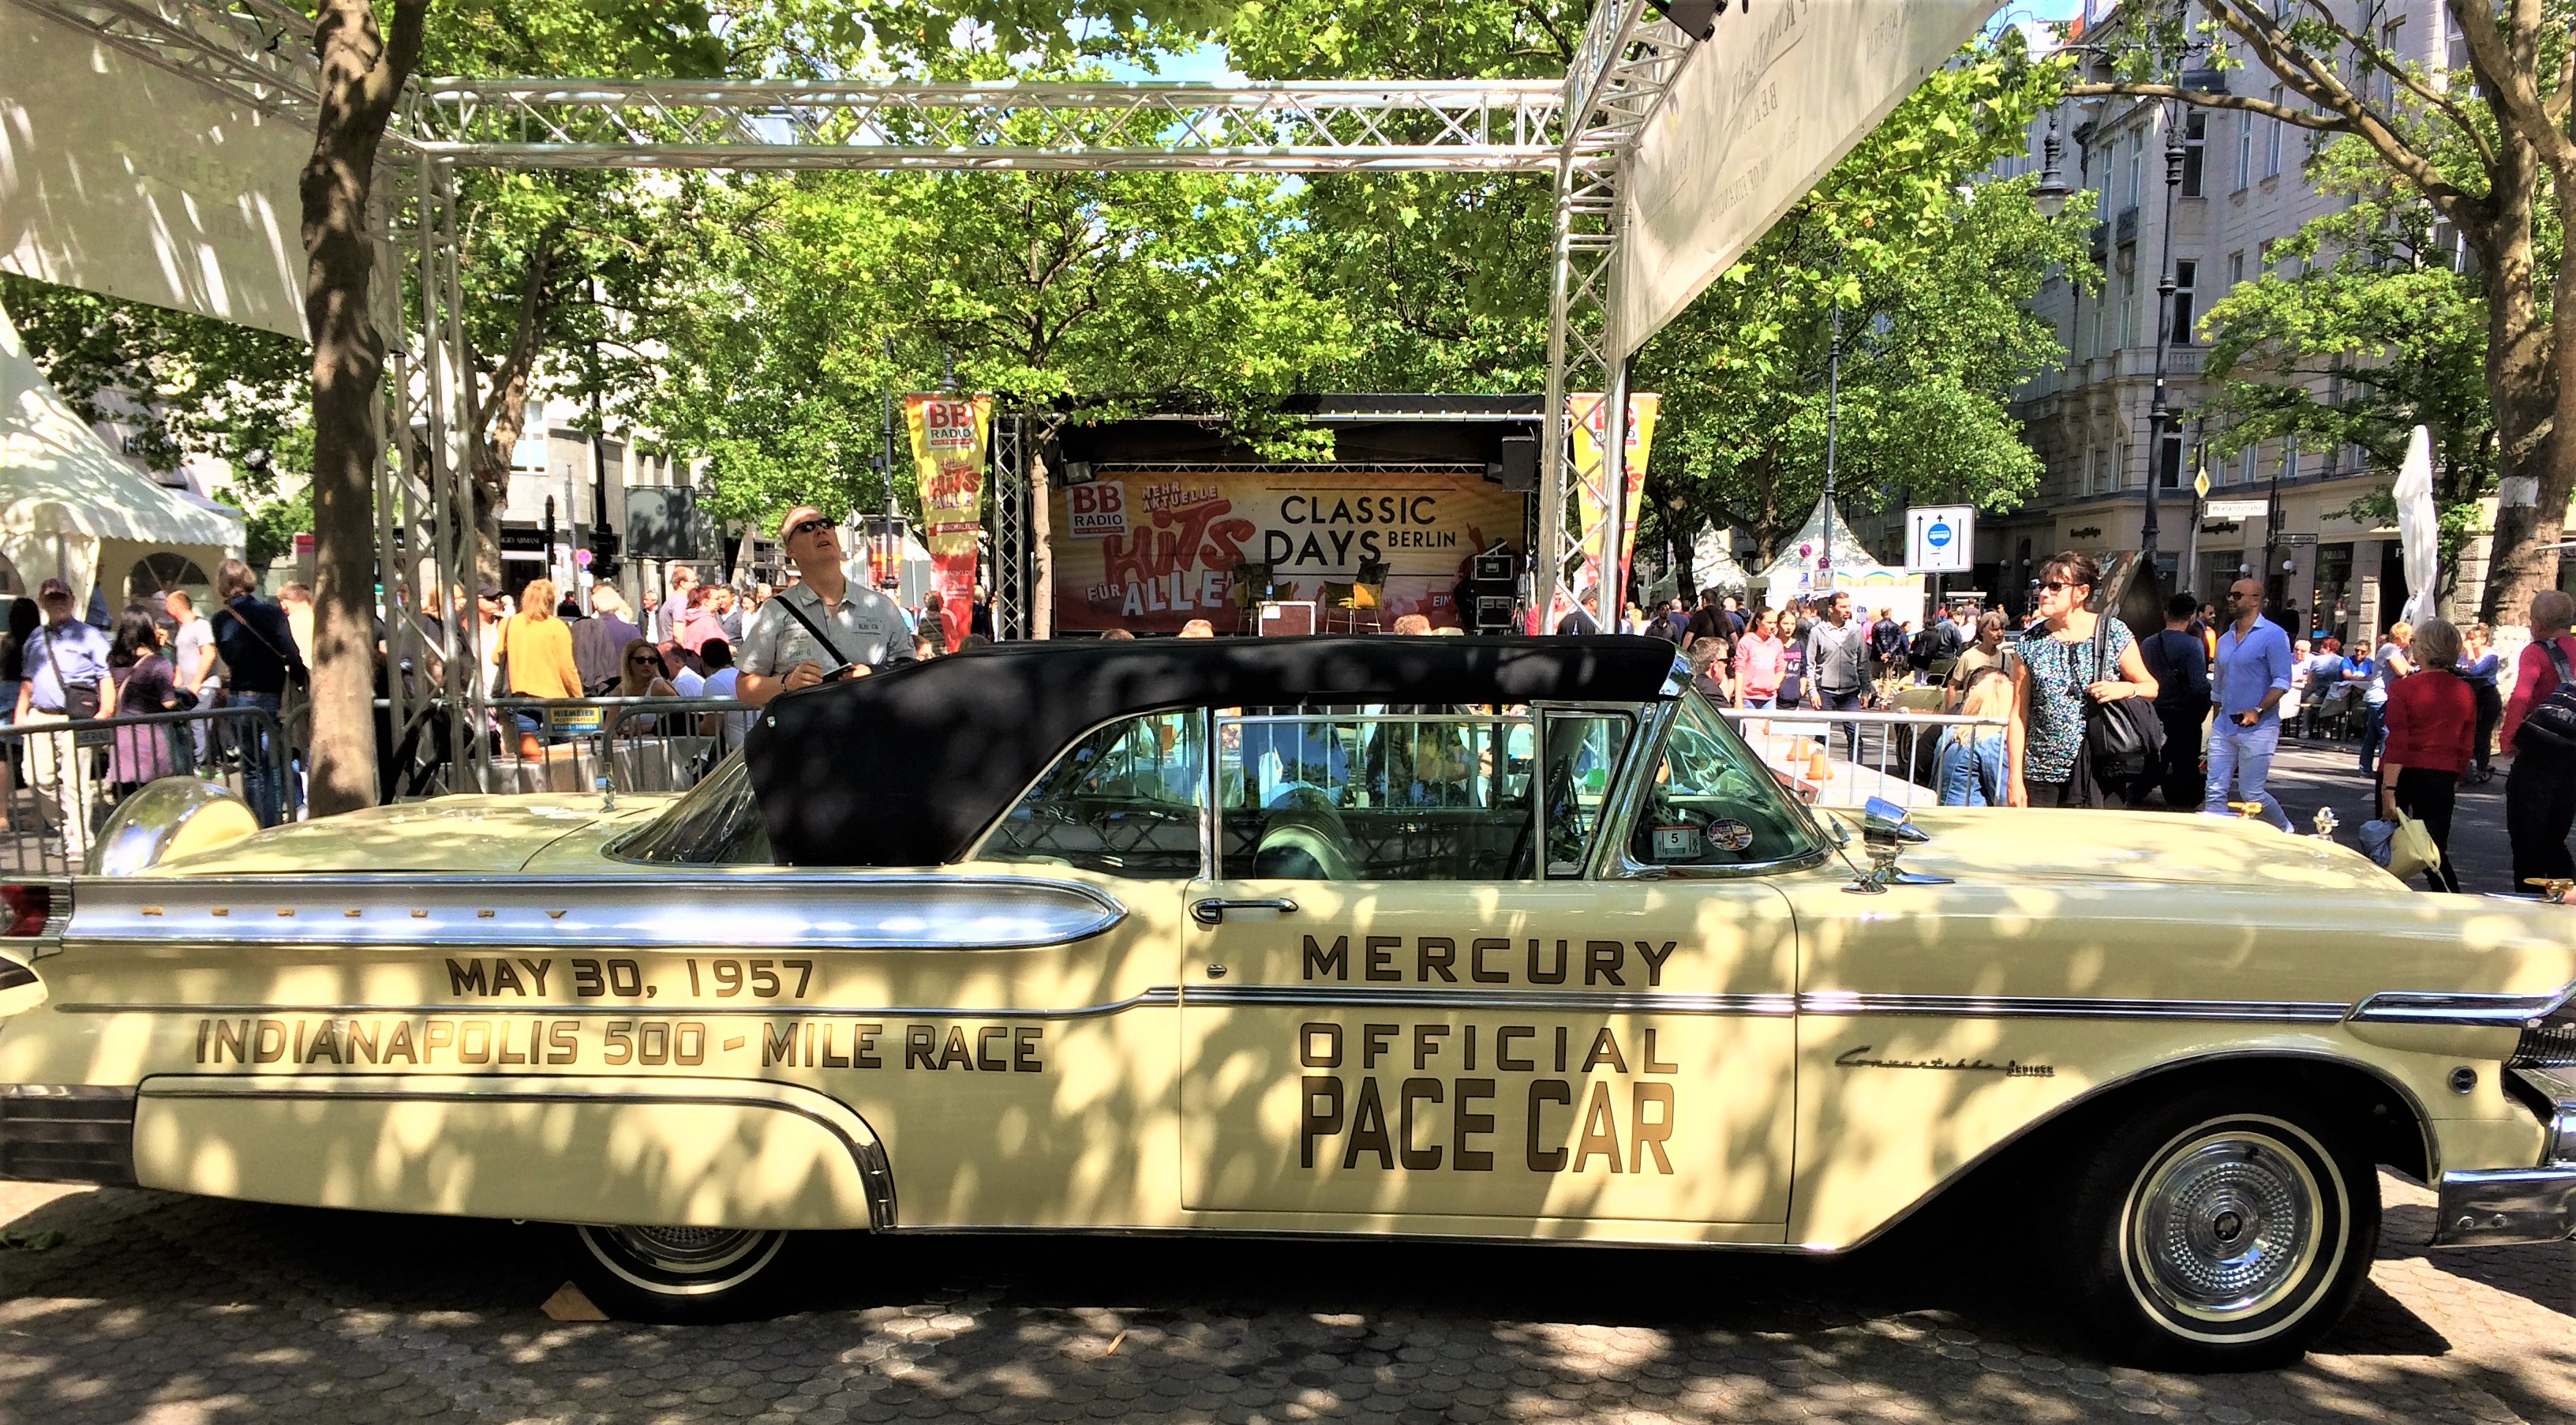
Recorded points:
(2060, 677)
(640, 673)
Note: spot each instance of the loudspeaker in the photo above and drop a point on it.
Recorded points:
(1520, 463)
(1491, 569)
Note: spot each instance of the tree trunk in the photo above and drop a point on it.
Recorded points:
(1041, 592)
(2534, 474)
(362, 76)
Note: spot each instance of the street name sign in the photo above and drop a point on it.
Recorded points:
(2236, 509)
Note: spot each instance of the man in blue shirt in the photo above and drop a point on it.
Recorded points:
(2253, 675)
(66, 676)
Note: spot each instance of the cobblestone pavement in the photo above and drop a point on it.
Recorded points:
(167, 1310)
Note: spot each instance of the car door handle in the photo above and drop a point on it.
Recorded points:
(1212, 912)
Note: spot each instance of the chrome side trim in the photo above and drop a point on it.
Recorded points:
(1825, 1002)
(2505, 1208)
(866, 1152)
(2468, 1010)
(1842, 1002)
(2403, 1094)
(789, 909)
(1158, 996)
(1577, 1001)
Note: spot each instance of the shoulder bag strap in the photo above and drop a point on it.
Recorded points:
(820, 636)
(253, 630)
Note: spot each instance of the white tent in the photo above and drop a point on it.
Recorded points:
(1713, 564)
(71, 508)
(1873, 585)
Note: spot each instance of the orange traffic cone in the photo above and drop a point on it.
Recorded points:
(1819, 769)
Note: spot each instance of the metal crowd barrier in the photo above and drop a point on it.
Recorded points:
(1845, 758)
(640, 744)
(60, 780)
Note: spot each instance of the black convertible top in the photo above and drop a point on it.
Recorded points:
(903, 769)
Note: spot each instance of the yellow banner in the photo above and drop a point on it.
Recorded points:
(948, 444)
(1592, 500)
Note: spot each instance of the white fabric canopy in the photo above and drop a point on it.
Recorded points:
(69, 504)
(2419, 531)
(1872, 584)
(1713, 564)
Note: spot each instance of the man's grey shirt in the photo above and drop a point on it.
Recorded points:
(1836, 659)
(865, 629)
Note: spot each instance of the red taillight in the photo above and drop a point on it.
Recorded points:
(27, 908)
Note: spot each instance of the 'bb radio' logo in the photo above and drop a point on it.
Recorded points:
(1098, 510)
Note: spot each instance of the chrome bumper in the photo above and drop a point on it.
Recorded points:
(2506, 1207)
(2501, 1207)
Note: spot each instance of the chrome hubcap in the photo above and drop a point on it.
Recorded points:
(2226, 1225)
(686, 1251)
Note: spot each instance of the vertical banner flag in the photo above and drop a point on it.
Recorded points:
(1592, 496)
(948, 436)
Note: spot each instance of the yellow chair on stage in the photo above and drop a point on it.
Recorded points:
(1253, 586)
(1363, 598)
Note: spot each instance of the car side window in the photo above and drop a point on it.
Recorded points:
(1377, 794)
(1711, 802)
(1125, 801)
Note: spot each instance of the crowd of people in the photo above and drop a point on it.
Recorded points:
(2216, 687)
(155, 655)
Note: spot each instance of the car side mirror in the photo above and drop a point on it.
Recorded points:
(1883, 820)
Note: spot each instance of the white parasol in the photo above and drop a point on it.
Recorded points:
(2418, 535)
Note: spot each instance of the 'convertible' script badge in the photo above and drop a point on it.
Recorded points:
(2010, 1068)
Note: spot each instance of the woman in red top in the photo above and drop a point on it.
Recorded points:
(2540, 794)
(2431, 720)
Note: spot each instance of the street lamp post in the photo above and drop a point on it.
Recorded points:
(2162, 422)
(2050, 195)
(1833, 423)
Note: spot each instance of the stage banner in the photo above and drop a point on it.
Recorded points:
(1149, 553)
(948, 444)
(1591, 496)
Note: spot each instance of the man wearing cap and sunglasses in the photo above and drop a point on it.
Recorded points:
(821, 626)
(66, 663)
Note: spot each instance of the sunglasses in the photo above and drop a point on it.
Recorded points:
(806, 527)
(2055, 585)
(643, 660)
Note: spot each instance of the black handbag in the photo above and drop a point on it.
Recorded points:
(2122, 738)
(2550, 727)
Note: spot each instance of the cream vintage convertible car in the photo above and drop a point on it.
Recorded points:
(1503, 939)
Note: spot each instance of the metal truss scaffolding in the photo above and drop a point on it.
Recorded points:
(1621, 73)
(258, 52)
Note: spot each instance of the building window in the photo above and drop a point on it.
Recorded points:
(2137, 158)
(2244, 151)
(2118, 475)
(2235, 267)
(2272, 142)
(2455, 54)
(2195, 147)
(2263, 255)
(2169, 461)
(2128, 299)
(2289, 462)
(2246, 460)
(2186, 280)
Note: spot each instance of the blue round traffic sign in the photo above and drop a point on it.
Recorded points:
(1937, 534)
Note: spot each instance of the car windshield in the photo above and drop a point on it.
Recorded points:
(716, 824)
